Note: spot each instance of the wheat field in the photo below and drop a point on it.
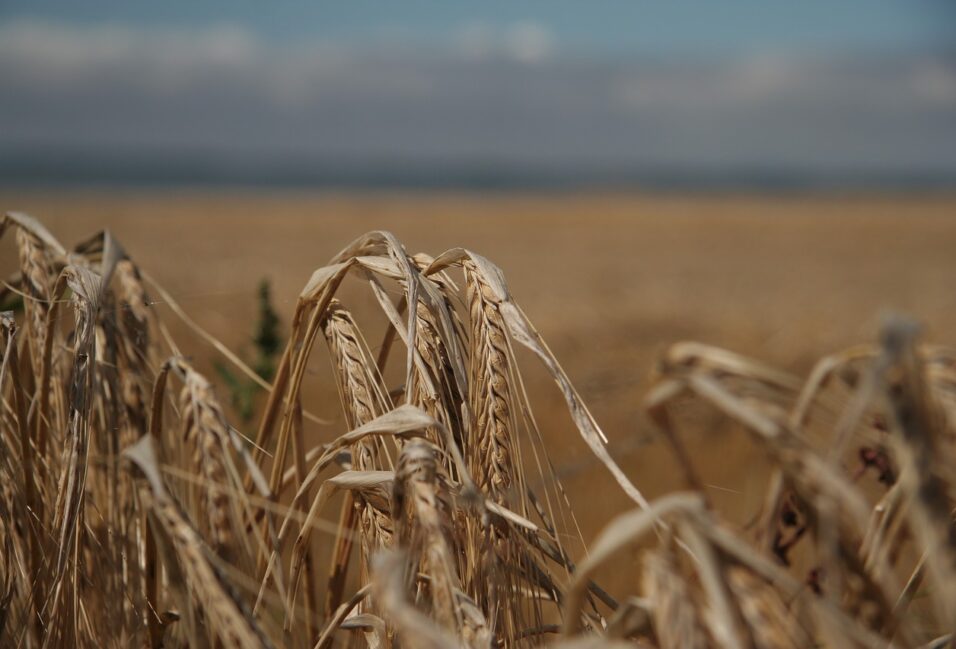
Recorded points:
(432, 476)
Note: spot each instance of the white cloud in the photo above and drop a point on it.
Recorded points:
(524, 42)
(51, 47)
(936, 83)
(529, 42)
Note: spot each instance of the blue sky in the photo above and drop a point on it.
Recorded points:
(686, 27)
(251, 87)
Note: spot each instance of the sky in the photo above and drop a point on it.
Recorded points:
(497, 91)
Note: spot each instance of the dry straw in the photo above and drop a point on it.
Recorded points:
(132, 513)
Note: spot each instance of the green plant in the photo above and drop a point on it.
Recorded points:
(267, 343)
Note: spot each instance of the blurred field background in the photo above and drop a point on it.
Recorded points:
(610, 280)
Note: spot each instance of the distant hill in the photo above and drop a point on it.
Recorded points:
(24, 168)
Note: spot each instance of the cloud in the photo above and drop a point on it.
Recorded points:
(936, 83)
(529, 42)
(491, 95)
(50, 53)
(522, 42)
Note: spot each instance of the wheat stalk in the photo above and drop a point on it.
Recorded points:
(445, 538)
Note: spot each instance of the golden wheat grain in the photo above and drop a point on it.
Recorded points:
(676, 621)
(205, 429)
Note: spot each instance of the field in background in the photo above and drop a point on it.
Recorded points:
(609, 280)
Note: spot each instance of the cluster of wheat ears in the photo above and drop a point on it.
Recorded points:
(133, 514)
